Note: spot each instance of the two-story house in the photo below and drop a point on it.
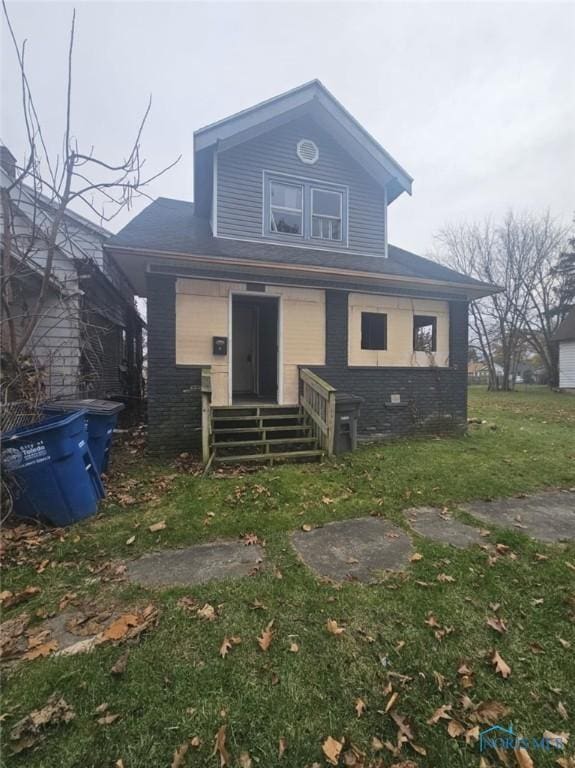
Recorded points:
(279, 283)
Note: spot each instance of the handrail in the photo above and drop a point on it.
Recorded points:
(317, 398)
(206, 387)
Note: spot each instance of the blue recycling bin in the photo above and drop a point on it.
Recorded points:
(52, 472)
(101, 420)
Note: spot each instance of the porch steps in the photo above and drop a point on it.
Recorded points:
(261, 433)
(287, 455)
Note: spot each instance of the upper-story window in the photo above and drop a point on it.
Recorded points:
(286, 208)
(326, 214)
(299, 208)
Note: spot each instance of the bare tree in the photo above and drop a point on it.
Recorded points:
(518, 255)
(36, 201)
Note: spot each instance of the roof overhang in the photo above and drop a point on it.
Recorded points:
(311, 98)
(137, 262)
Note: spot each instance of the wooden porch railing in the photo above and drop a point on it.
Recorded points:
(206, 387)
(317, 398)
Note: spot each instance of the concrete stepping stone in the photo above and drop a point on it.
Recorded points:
(214, 561)
(440, 526)
(548, 516)
(357, 549)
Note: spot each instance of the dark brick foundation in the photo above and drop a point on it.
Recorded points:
(174, 396)
(432, 399)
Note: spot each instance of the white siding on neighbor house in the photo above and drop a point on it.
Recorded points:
(400, 313)
(567, 364)
(202, 311)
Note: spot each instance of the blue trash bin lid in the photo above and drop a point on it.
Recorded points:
(54, 422)
(92, 406)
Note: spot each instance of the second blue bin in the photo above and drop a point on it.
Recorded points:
(101, 420)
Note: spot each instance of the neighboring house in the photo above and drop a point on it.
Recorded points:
(88, 338)
(565, 338)
(281, 272)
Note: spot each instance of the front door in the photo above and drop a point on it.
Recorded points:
(254, 348)
(244, 349)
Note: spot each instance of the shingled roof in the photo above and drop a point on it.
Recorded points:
(169, 226)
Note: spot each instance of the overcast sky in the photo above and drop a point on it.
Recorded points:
(475, 100)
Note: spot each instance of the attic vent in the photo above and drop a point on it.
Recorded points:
(307, 151)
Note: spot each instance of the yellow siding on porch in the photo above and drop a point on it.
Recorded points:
(400, 312)
(202, 311)
(303, 316)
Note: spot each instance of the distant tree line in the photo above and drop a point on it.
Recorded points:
(532, 258)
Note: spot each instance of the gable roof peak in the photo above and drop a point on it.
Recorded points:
(312, 96)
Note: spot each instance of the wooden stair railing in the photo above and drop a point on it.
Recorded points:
(206, 387)
(317, 398)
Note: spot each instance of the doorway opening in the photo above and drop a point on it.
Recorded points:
(254, 349)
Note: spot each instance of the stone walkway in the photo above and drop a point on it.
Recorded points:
(440, 526)
(214, 561)
(548, 516)
(363, 548)
(358, 549)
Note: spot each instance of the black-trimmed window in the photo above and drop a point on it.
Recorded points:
(424, 333)
(373, 330)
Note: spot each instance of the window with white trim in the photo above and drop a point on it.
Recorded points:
(300, 208)
(286, 208)
(326, 209)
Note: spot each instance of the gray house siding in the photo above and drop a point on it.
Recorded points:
(240, 184)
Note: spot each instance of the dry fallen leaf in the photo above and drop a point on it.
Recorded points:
(119, 628)
(264, 640)
(497, 624)
(360, 707)
(562, 710)
(501, 667)
(107, 719)
(444, 577)
(28, 731)
(9, 599)
(558, 740)
(523, 758)
(391, 701)
(45, 649)
(333, 628)
(244, 760)
(294, 647)
(180, 755)
(131, 540)
(306, 528)
(120, 665)
(227, 645)
(455, 728)
(157, 526)
(441, 712)
(489, 712)
(220, 747)
(207, 612)
(332, 749)
(416, 556)
(282, 746)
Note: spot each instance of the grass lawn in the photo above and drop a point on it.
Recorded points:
(177, 686)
